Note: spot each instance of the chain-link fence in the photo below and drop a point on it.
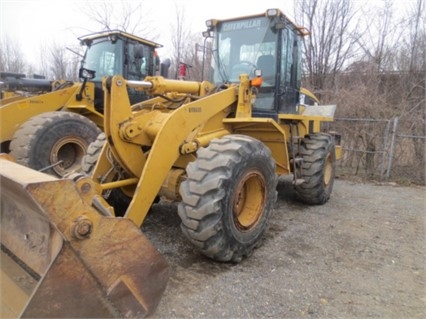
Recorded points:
(380, 149)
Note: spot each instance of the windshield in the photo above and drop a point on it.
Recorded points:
(243, 46)
(104, 57)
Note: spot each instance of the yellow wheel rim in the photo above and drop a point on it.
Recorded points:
(328, 170)
(69, 151)
(249, 200)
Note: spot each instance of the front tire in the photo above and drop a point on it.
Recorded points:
(318, 168)
(115, 197)
(53, 137)
(228, 197)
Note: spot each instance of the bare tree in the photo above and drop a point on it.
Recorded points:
(129, 16)
(418, 37)
(381, 36)
(203, 55)
(413, 85)
(11, 56)
(181, 44)
(387, 81)
(332, 40)
(60, 64)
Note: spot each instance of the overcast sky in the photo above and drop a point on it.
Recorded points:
(35, 23)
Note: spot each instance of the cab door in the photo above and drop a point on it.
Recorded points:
(290, 71)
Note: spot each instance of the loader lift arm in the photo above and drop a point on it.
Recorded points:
(170, 132)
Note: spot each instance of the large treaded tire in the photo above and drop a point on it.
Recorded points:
(116, 197)
(50, 137)
(228, 197)
(93, 151)
(318, 168)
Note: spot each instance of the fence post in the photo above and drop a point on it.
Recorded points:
(395, 125)
(385, 142)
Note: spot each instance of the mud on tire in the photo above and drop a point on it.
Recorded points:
(228, 197)
(318, 168)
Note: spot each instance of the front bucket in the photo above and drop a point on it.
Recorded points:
(62, 259)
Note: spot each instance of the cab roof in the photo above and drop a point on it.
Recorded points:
(103, 34)
(272, 13)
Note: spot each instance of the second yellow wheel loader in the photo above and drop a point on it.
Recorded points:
(39, 136)
(215, 147)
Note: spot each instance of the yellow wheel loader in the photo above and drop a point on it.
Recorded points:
(40, 137)
(216, 147)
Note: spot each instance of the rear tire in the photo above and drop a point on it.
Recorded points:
(48, 138)
(318, 169)
(228, 197)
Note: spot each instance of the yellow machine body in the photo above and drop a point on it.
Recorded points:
(173, 134)
(18, 111)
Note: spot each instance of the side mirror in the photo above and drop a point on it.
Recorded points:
(86, 74)
(164, 68)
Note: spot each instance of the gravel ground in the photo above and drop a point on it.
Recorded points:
(361, 255)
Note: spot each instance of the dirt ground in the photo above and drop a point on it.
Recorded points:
(361, 255)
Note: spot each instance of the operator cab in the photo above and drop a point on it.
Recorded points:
(119, 53)
(270, 43)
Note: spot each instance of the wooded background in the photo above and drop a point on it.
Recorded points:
(371, 62)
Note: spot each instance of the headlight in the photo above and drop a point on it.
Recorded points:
(211, 23)
(272, 13)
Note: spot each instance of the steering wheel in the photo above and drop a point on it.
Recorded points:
(248, 63)
(243, 67)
